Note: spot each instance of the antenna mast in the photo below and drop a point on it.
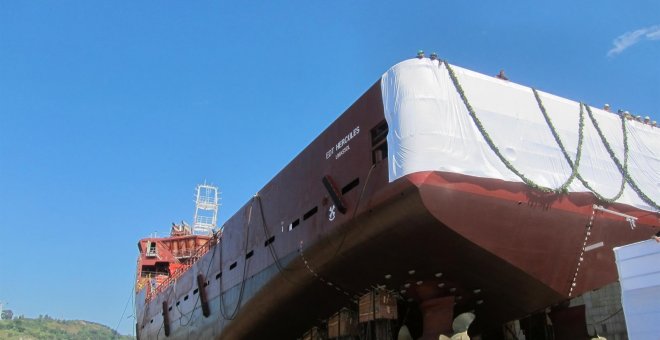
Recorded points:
(207, 201)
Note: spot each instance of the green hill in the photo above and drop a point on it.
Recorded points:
(48, 328)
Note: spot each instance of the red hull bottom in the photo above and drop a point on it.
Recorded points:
(497, 248)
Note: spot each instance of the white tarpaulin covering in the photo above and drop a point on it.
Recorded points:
(430, 129)
(639, 273)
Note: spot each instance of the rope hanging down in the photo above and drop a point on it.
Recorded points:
(233, 314)
(578, 154)
(489, 140)
(575, 172)
(623, 168)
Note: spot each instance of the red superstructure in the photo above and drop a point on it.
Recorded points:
(164, 259)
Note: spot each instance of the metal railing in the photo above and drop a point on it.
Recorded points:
(194, 257)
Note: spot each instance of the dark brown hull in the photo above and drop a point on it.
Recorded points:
(500, 248)
(519, 254)
(505, 252)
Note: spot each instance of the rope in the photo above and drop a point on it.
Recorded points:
(357, 205)
(575, 166)
(206, 274)
(280, 268)
(197, 300)
(581, 257)
(240, 294)
(487, 137)
(341, 243)
(623, 168)
(625, 159)
(578, 155)
(609, 317)
(319, 277)
(130, 298)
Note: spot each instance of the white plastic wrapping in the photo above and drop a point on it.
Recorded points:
(639, 272)
(430, 129)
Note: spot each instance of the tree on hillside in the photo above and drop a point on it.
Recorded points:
(45, 327)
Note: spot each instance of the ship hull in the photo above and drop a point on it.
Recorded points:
(497, 247)
(335, 223)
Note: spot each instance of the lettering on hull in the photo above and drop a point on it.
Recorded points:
(342, 147)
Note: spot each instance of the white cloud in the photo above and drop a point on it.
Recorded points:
(654, 35)
(631, 38)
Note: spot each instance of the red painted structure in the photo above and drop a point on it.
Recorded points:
(163, 259)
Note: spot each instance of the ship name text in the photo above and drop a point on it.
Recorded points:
(342, 145)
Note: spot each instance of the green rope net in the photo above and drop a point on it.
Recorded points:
(623, 168)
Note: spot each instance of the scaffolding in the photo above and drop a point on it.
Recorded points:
(207, 201)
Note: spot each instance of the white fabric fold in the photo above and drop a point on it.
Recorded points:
(430, 129)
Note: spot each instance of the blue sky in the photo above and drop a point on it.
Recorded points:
(112, 111)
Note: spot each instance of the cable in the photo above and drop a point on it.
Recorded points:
(306, 262)
(208, 268)
(206, 274)
(270, 245)
(609, 317)
(357, 205)
(125, 307)
(321, 278)
(240, 294)
(173, 282)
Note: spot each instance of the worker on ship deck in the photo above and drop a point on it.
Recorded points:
(501, 75)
